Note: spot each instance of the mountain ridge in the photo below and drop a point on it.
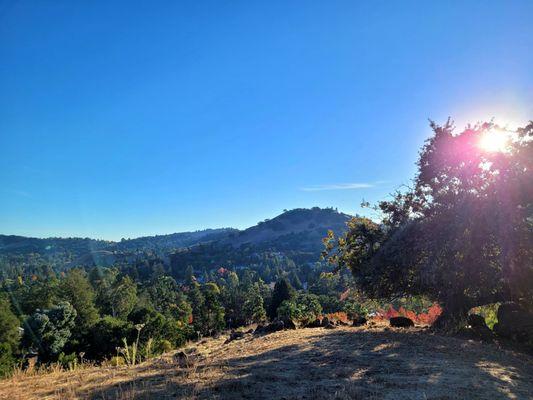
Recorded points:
(294, 233)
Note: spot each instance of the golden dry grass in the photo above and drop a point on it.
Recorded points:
(344, 363)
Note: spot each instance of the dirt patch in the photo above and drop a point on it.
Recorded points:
(345, 363)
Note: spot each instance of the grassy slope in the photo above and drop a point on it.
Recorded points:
(345, 363)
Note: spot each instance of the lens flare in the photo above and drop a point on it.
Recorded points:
(494, 141)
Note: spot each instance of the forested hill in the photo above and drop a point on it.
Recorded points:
(294, 233)
(291, 239)
(79, 246)
(301, 229)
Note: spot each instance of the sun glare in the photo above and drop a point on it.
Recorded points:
(494, 141)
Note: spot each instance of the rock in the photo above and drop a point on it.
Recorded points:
(315, 324)
(274, 326)
(514, 322)
(289, 324)
(184, 360)
(325, 322)
(476, 333)
(259, 328)
(401, 322)
(359, 321)
(476, 321)
(330, 326)
(234, 336)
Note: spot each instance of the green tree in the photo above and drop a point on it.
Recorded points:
(197, 301)
(9, 337)
(282, 291)
(189, 275)
(48, 331)
(253, 307)
(38, 294)
(302, 309)
(208, 313)
(76, 289)
(461, 235)
(295, 280)
(123, 297)
(168, 299)
(107, 335)
(9, 324)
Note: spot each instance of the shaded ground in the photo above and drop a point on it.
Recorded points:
(345, 363)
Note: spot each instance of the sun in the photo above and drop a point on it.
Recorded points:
(494, 141)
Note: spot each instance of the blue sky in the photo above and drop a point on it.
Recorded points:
(121, 119)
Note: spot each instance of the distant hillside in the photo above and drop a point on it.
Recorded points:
(301, 229)
(174, 240)
(24, 245)
(292, 237)
(295, 234)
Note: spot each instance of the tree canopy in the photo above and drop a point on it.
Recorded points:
(462, 234)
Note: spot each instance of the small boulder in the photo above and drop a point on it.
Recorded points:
(184, 360)
(359, 321)
(330, 326)
(234, 336)
(514, 322)
(289, 324)
(325, 322)
(401, 322)
(314, 324)
(274, 326)
(260, 328)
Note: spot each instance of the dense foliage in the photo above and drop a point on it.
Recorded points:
(462, 235)
(96, 313)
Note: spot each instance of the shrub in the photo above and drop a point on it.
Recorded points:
(338, 316)
(423, 318)
(163, 346)
(48, 331)
(489, 312)
(305, 308)
(355, 310)
(68, 361)
(106, 336)
(7, 361)
(117, 361)
(330, 304)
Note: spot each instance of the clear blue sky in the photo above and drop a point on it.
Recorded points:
(121, 119)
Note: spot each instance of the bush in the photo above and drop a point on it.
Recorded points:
(163, 346)
(489, 312)
(49, 330)
(117, 361)
(355, 310)
(68, 361)
(106, 336)
(330, 304)
(305, 308)
(7, 361)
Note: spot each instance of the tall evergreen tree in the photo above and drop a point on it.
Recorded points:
(282, 291)
(76, 289)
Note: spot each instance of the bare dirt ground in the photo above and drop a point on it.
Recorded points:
(344, 363)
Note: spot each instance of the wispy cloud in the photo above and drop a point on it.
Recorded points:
(339, 186)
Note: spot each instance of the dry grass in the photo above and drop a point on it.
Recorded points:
(345, 363)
